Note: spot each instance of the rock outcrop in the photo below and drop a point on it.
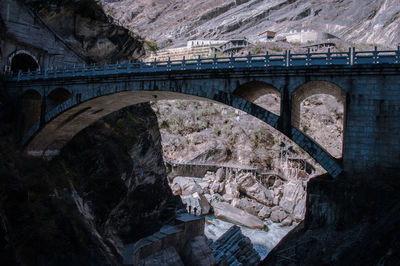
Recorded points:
(84, 26)
(346, 223)
(81, 208)
(233, 248)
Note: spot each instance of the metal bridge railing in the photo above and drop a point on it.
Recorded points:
(287, 59)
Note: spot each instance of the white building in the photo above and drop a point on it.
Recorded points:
(195, 43)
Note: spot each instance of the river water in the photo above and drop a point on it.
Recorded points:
(262, 241)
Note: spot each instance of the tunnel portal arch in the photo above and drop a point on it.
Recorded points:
(23, 61)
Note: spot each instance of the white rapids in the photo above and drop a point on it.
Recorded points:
(262, 241)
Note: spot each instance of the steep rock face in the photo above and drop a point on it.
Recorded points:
(346, 224)
(85, 27)
(374, 22)
(81, 208)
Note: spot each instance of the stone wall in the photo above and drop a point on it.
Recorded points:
(26, 33)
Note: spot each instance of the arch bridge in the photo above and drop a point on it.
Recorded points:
(64, 101)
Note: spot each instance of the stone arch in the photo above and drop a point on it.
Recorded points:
(56, 97)
(24, 61)
(259, 92)
(69, 118)
(31, 102)
(313, 88)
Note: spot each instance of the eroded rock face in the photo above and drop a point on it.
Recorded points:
(197, 252)
(233, 248)
(165, 257)
(89, 32)
(82, 207)
(355, 223)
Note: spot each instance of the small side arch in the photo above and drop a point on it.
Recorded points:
(260, 93)
(313, 88)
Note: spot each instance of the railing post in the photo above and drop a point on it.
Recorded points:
(376, 56)
(183, 63)
(215, 61)
(155, 63)
(141, 65)
(266, 60)
(349, 57)
(308, 61)
(288, 58)
(231, 63)
(198, 62)
(249, 60)
(398, 55)
(329, 57)
(169, 64)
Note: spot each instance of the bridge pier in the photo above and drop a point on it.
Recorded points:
(285, 119)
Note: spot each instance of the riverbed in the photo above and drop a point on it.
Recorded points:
(262, 241)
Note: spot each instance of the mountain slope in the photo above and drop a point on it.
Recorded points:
(167, 22)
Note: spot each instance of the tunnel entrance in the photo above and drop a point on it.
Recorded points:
(23, 62)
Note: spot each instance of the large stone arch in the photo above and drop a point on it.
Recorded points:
(24, 61)
(312, 88)
(73, 115)
(31, 105)
(254, 90)
(56, 97)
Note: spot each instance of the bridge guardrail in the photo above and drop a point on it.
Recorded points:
(267, 60)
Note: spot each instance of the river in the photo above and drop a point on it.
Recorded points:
(262, 241)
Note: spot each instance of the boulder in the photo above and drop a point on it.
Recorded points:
(277, 214)
(216, 198)
(293, 192)
(265, 212)
(164, 257)
(227, 212)
(187, 185)
(196, 204)
(248, 185)
(220, 175)
(197, 252)
(232, 189)
(287, 222)
(248, 205)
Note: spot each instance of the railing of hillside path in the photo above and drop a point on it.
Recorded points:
(266, 61)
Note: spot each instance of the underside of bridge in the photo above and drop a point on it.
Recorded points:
(30, 109)
(262, 94)
(72, 116)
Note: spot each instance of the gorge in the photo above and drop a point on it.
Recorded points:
(118, 181)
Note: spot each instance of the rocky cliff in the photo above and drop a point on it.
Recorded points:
(84, 206)
(84, 27)
(346, 224)
(167, 22)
